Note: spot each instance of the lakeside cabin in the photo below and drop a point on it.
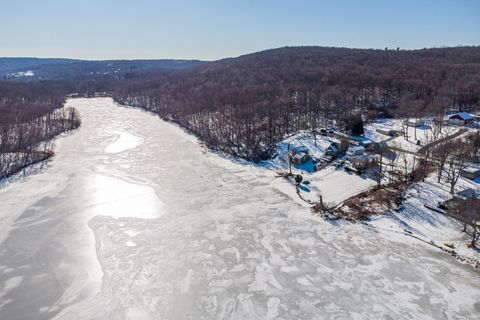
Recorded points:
(461, 118)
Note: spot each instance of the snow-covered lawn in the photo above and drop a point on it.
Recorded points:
(426, 223)
(335, 185)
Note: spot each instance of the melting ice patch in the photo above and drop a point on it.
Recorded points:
(118, 198)
(125, 141)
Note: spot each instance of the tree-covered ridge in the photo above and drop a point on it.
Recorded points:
(245, 105)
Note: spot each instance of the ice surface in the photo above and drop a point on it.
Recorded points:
(125, 141)
(164, 231)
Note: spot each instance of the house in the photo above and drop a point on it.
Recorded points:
(391, 133)
(359, 162)
(299, 155)
(332, 150)
(461, 118)
(363, 161)
(355, 151)
(337, 147)
(300, 158)
(299, 149)
(369, 145)
(414, 122)
(468, 194)
(470, 172)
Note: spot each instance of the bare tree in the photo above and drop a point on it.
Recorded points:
(455, 164)
(468, 212)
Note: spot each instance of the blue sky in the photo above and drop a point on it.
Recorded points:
(213, 29)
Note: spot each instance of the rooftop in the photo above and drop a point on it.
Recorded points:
(463, 115)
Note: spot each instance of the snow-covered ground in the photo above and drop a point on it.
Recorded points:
(333, 184)
(429, 224)
(217, 239)
(423, 133)
(280, 162)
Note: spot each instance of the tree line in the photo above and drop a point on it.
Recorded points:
(30, 116)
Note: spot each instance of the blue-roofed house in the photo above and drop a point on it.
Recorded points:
(461, 118)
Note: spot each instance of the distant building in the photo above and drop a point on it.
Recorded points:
(461, 118)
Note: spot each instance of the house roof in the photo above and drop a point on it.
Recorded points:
(356, 148)
(299, 156)
(366, 142)
(468, 193)
(471, 169)
(361, 157)
(463, 115)
(300, 149)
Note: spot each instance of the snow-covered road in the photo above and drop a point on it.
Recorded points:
(131, 220)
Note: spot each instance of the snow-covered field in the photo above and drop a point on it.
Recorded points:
(157, 229)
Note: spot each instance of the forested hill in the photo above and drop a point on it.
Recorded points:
(244, 105)
(266, 76)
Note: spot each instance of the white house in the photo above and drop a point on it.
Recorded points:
(414, 122)
(355, 151)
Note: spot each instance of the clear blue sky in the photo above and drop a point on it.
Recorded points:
(212, 29)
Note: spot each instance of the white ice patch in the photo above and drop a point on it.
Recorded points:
(125, 141)
(10, 284)
(187, 282)
(118, 198)
(272, 308)
(130, 243)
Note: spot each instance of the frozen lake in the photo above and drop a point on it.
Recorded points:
(131, 220)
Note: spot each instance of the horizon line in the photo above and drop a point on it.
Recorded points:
(398, 48)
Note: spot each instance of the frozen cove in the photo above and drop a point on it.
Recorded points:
(131, 220)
